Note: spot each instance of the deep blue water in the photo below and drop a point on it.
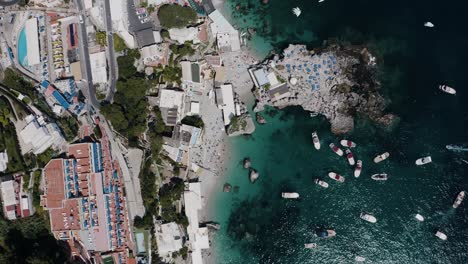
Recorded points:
(260, 227)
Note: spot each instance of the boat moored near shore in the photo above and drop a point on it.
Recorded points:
(310, 245)
(290, 195)
(336, 176)
(350, 157)
(369, 218)
(316, 140)
(336, 149)
(419, 217)
(347, 143)
(325, 233)
(380, 177)
(423, 160)
(358, 169)
(441, 235)
(381, 157)
(321, 183)
(459, 199)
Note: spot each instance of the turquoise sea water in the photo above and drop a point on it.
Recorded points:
(22, 48)
(260, 227)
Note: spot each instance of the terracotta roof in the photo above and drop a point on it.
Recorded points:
(55, 185)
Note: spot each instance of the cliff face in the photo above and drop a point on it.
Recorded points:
(337, 82)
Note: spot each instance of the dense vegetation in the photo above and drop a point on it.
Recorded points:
(176, 16)
(168, 195)
(128, 112)
(28, 240)
(194, 120)
(119, 43)
(101, 38)
(69, 126)
(8, 139)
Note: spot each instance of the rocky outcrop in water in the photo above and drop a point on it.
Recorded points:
(337, 82)
(241, 125)
(260, 119)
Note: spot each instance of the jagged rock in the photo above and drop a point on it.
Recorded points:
(260, 119)
(247, 163)
(227, 187)
(241, 125)
(349, 85)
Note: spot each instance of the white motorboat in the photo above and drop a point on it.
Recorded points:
(336, 176)
(359, 259)
(290, 195)
(419, 217)
(459, 199)
(347, 143)
(441, 235)
(336, 149)
(423, 160)
(297, 11)
(380, 177)
(316, 140)
(428, 24)
(325, 233)
(350, 157)
(369, 218)
(321, 183)
(447, 89)
(358, 169)
(381, 157)
(310, 245)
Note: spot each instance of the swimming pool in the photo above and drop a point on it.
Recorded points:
(22, 48)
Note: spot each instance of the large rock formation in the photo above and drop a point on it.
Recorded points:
(337, 82)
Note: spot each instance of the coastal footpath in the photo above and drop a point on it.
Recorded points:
(336, 81)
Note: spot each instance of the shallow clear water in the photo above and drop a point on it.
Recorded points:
(22, 48)
(260, 227)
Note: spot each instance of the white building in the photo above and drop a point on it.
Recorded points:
(225, 101)
(155, 54)
(3, 161)
(172, 106)
(181, 35)
(169, 238)
(226, 35)
(37, 136)
(198, 237)
(32, 42)
(190, 71)
(98, 67)
(9, 200)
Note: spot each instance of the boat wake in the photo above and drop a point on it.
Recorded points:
(456, 148)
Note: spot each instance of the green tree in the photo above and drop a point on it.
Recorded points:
(176, 16)
(115, 115)
(119, 43)
(101, 38)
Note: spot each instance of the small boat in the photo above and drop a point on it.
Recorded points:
(310, 245)
(447, 89)
(441, 235)
(253, 175)
(428, 24)
(290, 195)
(369, 218)
(419, 217)
(359, 259)
(316, 140)
(325, 233)
(297, 11)
(358, 169)
(321, 183)
(347, 143)
(381, 157)
(380, 177)
(336, 149)
(336, 176)
(423, 160)
(247, 163)
(459, 199)
(350, 157)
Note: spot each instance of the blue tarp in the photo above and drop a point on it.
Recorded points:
(45, 84)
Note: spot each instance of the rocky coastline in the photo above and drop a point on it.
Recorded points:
(337, 82)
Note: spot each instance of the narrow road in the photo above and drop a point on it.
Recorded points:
(110, 48)
(84, 54)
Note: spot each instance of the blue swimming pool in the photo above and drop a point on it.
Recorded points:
(22, 48)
